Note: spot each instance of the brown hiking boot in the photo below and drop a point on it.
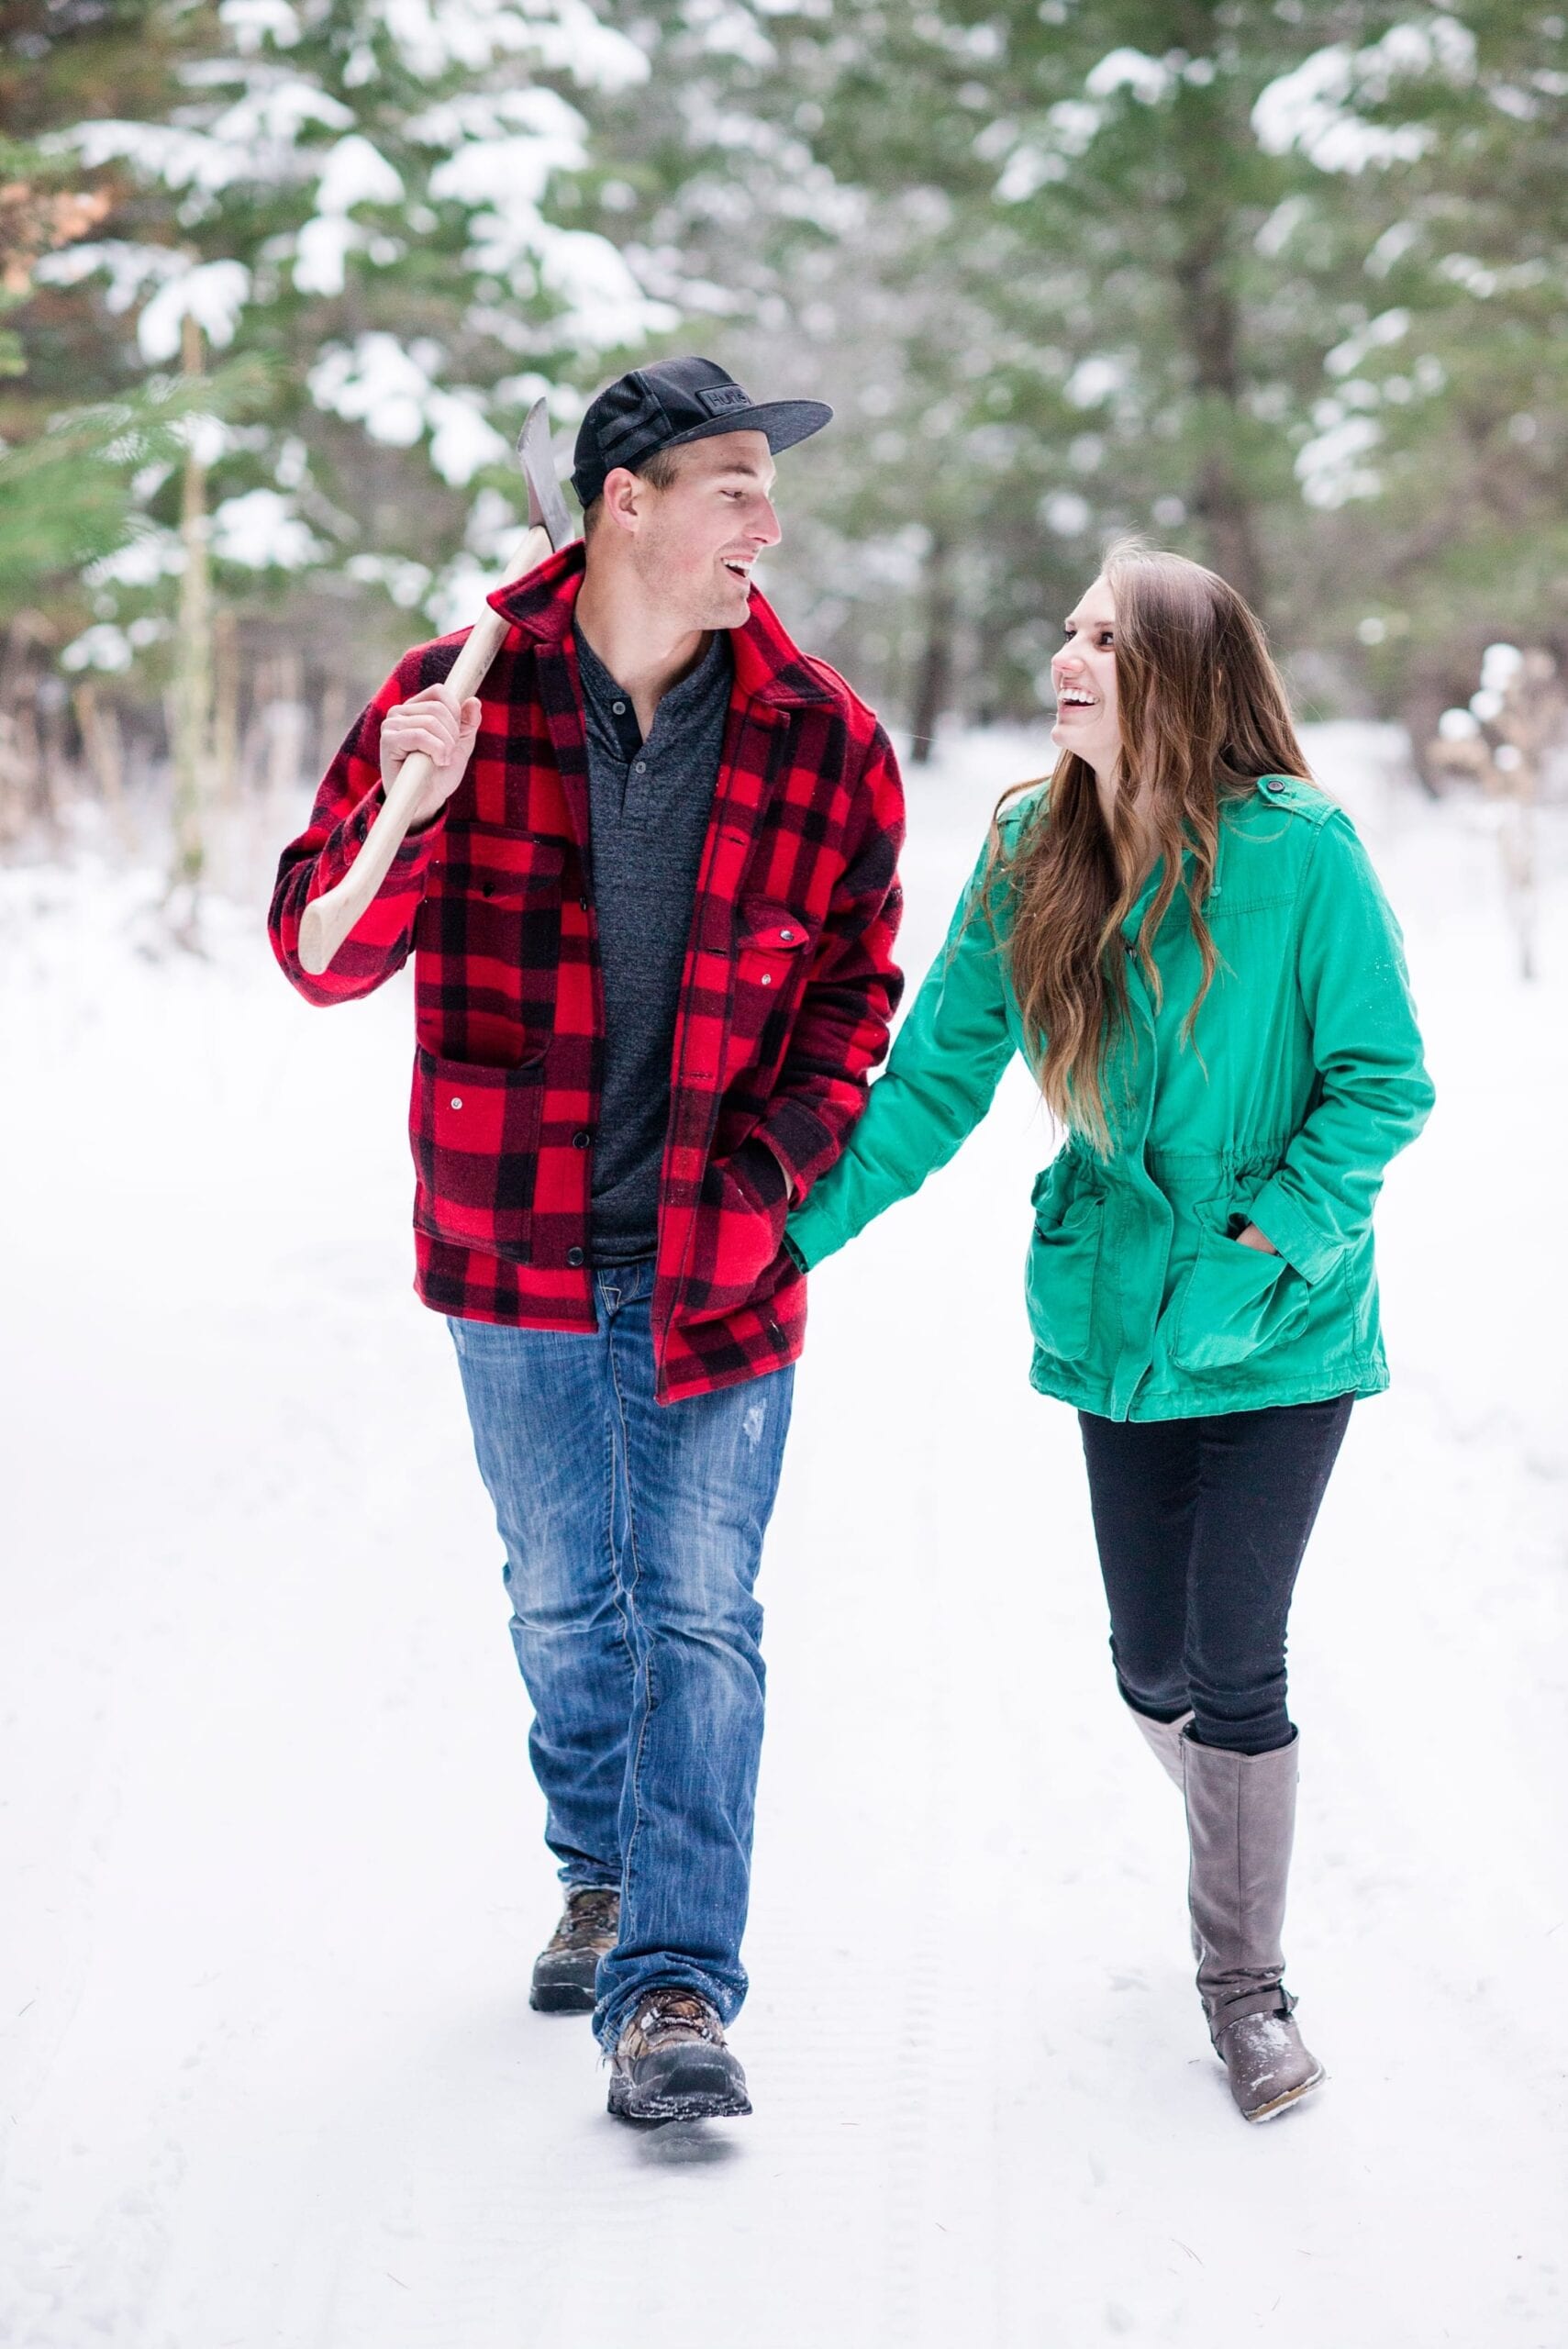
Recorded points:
(565, 1968)
(671, 2062)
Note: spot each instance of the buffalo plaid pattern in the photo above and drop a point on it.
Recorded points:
(786, 993)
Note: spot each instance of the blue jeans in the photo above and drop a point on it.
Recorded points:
(633, 1532)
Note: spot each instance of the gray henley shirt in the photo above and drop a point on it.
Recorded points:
(649, 804)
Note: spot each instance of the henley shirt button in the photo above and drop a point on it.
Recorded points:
(581, 1142)
(619, 708)
(457, 1100)
(767, 978)
(574, 1257)
(642, 766)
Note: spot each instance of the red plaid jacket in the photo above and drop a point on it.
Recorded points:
(787, 991)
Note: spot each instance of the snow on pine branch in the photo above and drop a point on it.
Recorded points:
(391, 389)
(1317, 111)
(564, 36)
(256, 122)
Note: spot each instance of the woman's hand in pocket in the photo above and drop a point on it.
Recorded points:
(1251, 1236)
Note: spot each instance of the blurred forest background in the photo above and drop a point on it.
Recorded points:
(1277, 283)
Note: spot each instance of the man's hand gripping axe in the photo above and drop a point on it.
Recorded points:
(329, 919)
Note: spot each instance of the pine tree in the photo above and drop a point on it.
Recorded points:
(1067, 284)
(370, 209)
(1445, 413)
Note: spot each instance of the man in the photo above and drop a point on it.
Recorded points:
(652, 896)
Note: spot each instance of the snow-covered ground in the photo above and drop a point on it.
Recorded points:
(270, 1853)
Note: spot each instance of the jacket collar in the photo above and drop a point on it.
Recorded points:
(769, 667)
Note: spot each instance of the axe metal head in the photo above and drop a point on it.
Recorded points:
(547, 507)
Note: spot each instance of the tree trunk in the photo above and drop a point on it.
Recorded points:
(53, 700)
(1421, 705)
(333, 718)
(102, 745)
(226, 708)
(1221, 503)
(25, 781)
(933, 686)
(192, 698)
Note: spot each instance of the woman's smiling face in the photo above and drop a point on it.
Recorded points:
(1084, 674)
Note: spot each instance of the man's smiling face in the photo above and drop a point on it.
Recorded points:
(694, 544)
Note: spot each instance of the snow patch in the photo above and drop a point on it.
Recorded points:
(1147, 79)
(151, 555)
(213, 293)
(254, 22)
(129, 268)
(103, 646)
(1330, 468)
(564, 35)
(260, 529)
(1315, 108)
(299, 1765)
(378, 382)
(1378, 334)
(462, 436)
(357, 173)
(604, 308)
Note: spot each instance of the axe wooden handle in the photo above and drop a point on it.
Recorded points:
(327, 919)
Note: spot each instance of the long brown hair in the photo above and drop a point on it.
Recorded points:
(1203, 714)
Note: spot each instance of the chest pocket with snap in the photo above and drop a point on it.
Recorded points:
(770, 961)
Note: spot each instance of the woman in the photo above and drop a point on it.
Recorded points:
(1187, 942)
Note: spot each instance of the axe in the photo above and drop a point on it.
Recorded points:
(327, 919)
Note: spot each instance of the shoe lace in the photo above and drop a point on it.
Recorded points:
(594, 1911)
(682, 2010)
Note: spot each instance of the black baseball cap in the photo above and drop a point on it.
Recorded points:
(674, 401)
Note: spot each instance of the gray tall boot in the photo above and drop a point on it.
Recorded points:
(1240, 1826)
(1163, 1740)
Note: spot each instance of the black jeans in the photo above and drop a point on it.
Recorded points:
(1201, 1525)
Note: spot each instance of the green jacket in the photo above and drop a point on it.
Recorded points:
(1305, 1079)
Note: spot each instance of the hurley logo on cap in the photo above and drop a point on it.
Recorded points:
(716, 397)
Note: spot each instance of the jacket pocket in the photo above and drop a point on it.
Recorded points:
(738, 1257)
(489, 942)
(770, 961)
(1064, 1260)
(1236, 1301)
(475, 1132)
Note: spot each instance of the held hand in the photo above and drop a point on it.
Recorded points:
(1252, 1238)
(436, 722)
